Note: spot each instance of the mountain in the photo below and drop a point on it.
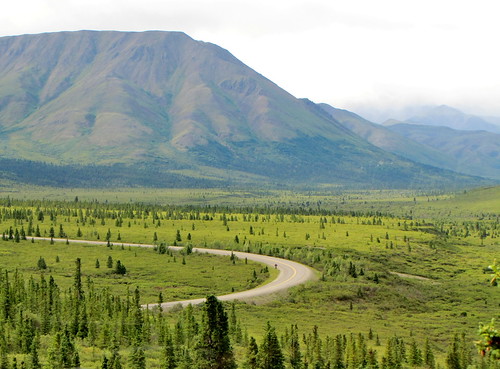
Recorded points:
(447, 116)
(473, 152)
(168, 107)
(442, 147)
(493, 120)
(388, 140)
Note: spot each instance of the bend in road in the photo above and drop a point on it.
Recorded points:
(290, 273)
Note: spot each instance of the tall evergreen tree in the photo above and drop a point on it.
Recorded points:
(338, 353)
(459, 353)
(251, 355)
(415, 356)
(213, 349)
(138, 318)
(270, 354)
(190, 326)
(371, 360)
(54, 354)
(77, 285)
(429, 360)
(33, 358)
(452, 357)
(294, 354)
(169, 359)
(137, 359)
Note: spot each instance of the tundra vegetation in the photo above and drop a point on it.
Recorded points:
(403, 281)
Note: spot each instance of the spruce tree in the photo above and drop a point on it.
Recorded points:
(415, 356)
(453, 358)
(213, 350)
(137, 359)
(41, 264)
(61, 231)
(55, 360)
(138, 319)
(270, 354)
(190, 325)
(120, 268)
(251, 355)
(169, 359)
(429, 360)
(77, 284)
(338, 353)
(78, 324)
(294, 356)
(33, 355)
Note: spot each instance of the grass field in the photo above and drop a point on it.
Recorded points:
(200, 275)
(446, 239)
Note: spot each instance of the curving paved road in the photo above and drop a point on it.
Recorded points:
(291, 273)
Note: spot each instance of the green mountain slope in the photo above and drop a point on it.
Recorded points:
(474, 152)
(469, 152)
(164, 103)
(388, 140)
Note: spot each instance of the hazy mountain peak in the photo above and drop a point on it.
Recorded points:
(444, 115)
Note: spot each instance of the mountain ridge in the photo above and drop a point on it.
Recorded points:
(465, 151)
(164, 101)
(473, 152)
(389, 140)
(447, 116)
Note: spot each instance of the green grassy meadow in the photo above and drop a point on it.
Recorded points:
(198, 276)
(439, 243)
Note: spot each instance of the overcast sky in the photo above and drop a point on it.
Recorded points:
(351, 54)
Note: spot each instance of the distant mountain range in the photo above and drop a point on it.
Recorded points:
(161, 109)
(434, 115)
(474, 152)
(453, 118)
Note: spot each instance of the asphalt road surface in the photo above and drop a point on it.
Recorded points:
(290, 273)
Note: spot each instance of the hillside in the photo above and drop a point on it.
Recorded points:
(441, 147)
(474, 152)
(388, 140)
(167, 105)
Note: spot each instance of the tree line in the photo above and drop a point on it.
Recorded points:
(44, 327)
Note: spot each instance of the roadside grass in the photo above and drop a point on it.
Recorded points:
(457, 299)
(152, 273)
